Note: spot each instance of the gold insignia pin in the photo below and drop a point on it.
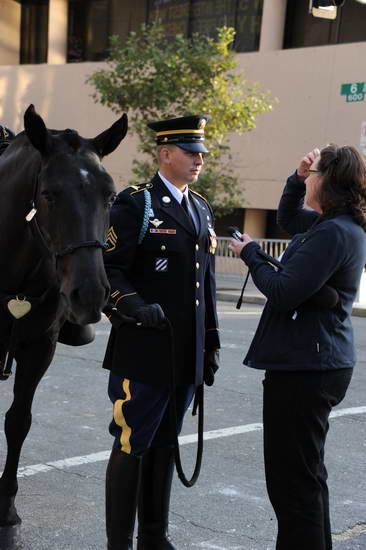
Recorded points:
(202, 124)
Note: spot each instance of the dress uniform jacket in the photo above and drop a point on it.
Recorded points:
(294, 334)
(174, 267)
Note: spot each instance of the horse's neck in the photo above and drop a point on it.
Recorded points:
(25, 267)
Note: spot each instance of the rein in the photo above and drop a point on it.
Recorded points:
(173, 417)
(198, 404)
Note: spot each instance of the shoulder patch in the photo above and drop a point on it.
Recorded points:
(111, 239)
(139, 187)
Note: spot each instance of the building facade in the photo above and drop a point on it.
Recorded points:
(313, 67)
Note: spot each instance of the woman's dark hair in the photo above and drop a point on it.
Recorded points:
(343, 171)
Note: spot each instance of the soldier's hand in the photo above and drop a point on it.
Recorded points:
(211, 366)
(149, 315)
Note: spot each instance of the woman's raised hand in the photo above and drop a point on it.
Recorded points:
(306, 162)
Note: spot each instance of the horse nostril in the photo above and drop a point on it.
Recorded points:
(89, 297)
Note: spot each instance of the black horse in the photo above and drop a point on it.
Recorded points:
(55, 198)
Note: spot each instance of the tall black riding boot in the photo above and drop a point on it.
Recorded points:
(154, 498)
(122, 485)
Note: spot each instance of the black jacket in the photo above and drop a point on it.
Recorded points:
(328, 249)
(174, 267)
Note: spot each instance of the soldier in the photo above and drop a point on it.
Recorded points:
(160, 263)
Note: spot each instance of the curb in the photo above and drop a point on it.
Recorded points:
(227, 296)
(359, 311)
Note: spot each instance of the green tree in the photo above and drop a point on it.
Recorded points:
(154, 77)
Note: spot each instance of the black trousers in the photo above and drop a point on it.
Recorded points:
(141, 414)
(296, 407)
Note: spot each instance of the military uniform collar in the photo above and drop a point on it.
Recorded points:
(177, 193)
(170, 204)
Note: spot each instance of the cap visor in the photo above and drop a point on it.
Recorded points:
(193, 147)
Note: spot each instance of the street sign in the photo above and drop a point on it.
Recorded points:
(355, 91)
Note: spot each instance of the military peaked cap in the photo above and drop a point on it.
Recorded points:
(187, 132)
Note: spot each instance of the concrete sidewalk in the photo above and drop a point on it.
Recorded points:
(229, 289)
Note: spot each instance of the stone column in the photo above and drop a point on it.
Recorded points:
(9, 32)
(273, 25)
(255, 222)
(57, 32)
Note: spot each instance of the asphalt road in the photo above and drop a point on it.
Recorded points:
(61, 488)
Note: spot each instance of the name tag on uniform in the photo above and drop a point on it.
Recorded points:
(165, 231)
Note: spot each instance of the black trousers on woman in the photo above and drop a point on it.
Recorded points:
(296, 407)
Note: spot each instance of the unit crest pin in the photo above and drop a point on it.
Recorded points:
(156, 222)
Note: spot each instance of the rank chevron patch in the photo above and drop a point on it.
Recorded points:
(111, 239)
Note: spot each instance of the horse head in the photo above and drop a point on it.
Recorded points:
(73, 194)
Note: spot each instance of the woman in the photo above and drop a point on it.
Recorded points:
(305, 348)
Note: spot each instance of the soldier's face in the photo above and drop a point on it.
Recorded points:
(184, 165)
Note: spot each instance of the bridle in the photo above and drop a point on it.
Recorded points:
(5, 367)
(39, 236)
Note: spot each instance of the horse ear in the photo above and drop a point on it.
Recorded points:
(106, 142)
(36, 131)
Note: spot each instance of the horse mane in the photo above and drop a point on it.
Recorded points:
(68, 136)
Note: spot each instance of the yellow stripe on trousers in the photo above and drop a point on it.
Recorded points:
(120, 419)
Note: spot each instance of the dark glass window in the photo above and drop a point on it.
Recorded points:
(91, 22)
(302, 29)
(205, 16)
(235, 218)
(34, 32)
(88, 30)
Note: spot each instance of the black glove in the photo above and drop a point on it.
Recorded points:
(149, 315)
(211, 365)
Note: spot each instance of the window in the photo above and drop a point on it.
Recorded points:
(88, 30)
(91, 22)
(34, 32)
(302, 29)
(205, 16)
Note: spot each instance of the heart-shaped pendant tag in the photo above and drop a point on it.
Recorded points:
(19, 308)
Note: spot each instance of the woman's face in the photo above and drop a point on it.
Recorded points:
(313, 183)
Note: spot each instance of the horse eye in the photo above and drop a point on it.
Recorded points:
(49, 197)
